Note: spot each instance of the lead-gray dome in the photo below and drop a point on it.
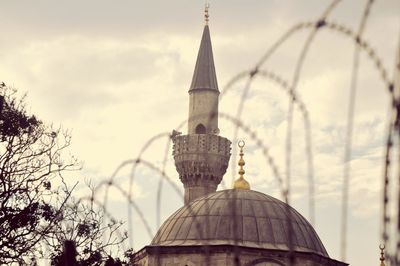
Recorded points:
(260, 221)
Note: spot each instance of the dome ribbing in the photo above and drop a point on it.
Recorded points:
(260, 221)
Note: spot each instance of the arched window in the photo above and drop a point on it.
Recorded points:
(200, 129)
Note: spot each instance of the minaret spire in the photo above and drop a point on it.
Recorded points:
(204, 76)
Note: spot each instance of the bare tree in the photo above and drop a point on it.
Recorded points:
(31, 159)
(84, 224)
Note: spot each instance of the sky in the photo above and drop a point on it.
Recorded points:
(116, 73)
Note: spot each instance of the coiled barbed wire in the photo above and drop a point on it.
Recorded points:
(361, 46)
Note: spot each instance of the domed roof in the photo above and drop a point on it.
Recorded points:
(260, 221)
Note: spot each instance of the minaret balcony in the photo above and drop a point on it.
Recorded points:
(201, 157)
(201, 143)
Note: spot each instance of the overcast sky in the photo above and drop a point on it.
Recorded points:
(117, 73)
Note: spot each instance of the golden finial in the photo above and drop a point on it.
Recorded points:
(206, 15)
(382, 248)
(241, 183)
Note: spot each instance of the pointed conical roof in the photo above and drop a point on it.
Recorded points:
(204, 76)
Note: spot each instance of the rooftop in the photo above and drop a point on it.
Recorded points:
(240, 217)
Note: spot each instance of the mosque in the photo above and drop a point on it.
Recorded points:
(236, 226)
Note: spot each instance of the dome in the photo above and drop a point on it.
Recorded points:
(260, 221)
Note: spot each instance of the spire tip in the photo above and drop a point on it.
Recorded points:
(382, 259)
(206, 14)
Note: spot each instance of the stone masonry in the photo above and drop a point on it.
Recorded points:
(201, 160)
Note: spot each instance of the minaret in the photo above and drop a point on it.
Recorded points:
(201, 156)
